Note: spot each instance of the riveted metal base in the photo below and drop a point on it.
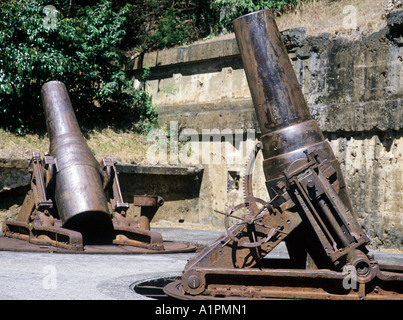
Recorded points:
(320, 284)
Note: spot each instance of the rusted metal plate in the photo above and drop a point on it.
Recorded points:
(174, 290)
(148, 201)
(10, 244)
(286, 284)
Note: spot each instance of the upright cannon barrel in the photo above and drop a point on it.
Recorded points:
(282, 113)
(79, 194)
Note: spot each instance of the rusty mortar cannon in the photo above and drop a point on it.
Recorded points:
(309, 207)
(75, 203)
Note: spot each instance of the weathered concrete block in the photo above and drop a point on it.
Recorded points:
(13, 174)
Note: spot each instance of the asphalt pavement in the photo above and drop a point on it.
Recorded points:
(57, 276)
(61, 276)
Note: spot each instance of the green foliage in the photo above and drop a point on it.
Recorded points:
(156, 24)
(232, 9)
(168, 32)
(81, 50)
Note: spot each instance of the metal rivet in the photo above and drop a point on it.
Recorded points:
(193, 282)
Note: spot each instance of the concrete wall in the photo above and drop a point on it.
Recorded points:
(353, 89)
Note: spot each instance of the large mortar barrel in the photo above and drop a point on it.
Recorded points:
(281, 110)
(79, 195)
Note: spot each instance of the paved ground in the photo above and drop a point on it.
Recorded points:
(37, 276)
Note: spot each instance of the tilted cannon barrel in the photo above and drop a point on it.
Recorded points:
(281, 110)
(79, 193)
(288, 131)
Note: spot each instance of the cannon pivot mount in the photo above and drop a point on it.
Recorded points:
(75, 204)
(326, 247)
(309, 208)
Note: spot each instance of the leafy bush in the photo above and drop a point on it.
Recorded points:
(81, 50)
(232, 9)
(156, 24)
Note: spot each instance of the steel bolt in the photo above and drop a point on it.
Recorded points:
(193, 282)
